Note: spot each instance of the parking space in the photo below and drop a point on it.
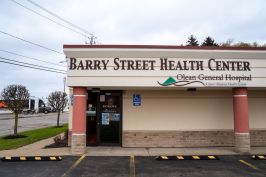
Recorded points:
(227, 166)
(102, 166)
(259, 164)
(36, 168)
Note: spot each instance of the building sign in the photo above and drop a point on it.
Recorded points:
(164, 64)
(136, 100)
(167, 72)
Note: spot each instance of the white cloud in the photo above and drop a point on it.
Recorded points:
(120, 22)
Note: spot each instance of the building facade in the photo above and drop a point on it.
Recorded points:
(166, 96)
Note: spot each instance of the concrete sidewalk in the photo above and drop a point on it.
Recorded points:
(37, 149)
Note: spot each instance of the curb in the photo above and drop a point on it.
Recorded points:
(258, 157)
(31, 158)
(193, 157)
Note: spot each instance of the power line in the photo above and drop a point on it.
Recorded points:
(32, 43)
(57, 16)
(32, 64)
(84, 35)
(30, 67)
(31, 58)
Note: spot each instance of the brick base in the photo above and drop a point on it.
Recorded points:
(242, 142)
(258, 137)
(78, 144)
(190, 138)
(178, 138)
(175, 139)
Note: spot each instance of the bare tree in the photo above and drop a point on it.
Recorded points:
(16, 97)
(58, 101)
(228, 43)
(242, 44)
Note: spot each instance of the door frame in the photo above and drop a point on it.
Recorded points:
(98, 114)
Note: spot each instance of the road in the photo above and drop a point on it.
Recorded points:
(29, 122)
(227, 166)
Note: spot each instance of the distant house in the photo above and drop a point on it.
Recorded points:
(2, 105)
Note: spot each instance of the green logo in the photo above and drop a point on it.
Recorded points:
(171, 81)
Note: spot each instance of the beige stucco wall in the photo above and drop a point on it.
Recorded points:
(183, 110)
(257, 109)
(178, 110)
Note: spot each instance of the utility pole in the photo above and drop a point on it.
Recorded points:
(92, 39)
(64, 80)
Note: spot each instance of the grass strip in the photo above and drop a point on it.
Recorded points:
(31, 136)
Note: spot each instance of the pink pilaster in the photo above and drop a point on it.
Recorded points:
(79, 120)
(241, 120)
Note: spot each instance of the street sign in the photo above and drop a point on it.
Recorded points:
(71, 99)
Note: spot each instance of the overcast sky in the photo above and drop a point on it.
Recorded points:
(167, 22)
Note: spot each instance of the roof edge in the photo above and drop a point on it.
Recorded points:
(67, 46)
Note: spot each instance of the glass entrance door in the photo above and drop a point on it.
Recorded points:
(104, 118)
(110, 117)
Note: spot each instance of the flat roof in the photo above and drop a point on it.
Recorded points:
(66, 46)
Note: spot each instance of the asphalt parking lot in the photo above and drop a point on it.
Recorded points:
(227, 166)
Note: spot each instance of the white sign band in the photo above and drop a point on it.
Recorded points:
(80, 95)
(240, 96)
(79, 134)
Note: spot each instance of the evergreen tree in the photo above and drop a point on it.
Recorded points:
(209, 42)
(192, 41)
